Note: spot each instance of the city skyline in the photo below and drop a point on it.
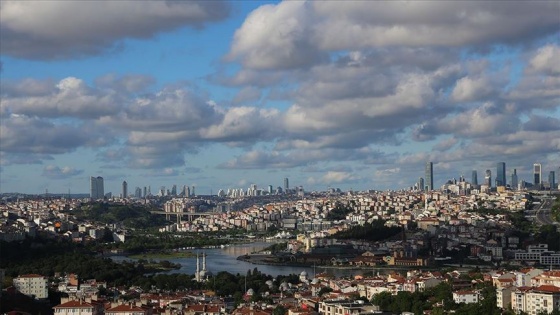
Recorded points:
(214, 94)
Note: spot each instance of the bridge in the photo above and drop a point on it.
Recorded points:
(190, 215)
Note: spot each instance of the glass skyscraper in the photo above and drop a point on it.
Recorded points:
(514, 181)
(537, 175)
(501, 174)
(429, 177)
(96, 188)
(474, 178)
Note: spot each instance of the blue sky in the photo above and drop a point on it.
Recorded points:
(353, 94)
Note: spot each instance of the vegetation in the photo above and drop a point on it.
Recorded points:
(131, 216)
(141, 243)
(339, 212)
(549, 234)
(374, 231)
(277, 247)
(556, 210)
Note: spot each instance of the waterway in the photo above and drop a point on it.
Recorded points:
(225, 259)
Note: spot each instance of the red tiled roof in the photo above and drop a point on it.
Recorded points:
(74, 304)
(548, 288)
(125, 308)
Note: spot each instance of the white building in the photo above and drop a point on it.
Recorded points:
(466, 297)
(545, 298)
(32, 285)
(74, 308)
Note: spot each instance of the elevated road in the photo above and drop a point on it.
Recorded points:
(543, 214)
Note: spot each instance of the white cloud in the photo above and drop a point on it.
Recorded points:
(69, 29)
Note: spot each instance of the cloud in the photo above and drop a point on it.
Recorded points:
(49, 30)
(70, 97)
(22, 134)
(276, 37)
(547, 60)
(55, 172)
(299, 34)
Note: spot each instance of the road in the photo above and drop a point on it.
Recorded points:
(543, 214)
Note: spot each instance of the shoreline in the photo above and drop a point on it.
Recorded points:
(260, 260)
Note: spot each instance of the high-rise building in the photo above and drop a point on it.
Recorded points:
(488, 178)
(421, 184)
(124, 189)
(138, 192)
(537, 175)
(193, 193)
(96, 188)
(286, 185)
(501, 174)
(429, 176)
(474, 178)
(174, 190)
(552, 180)
(514, 181)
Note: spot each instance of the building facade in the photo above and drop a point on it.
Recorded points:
(501, 174)
(537, 175)
(97, 190)
(32, 285)
(429, 176)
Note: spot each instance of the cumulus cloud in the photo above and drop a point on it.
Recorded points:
(295, 34)
(547, 60)
(56, 172)
(63, 29)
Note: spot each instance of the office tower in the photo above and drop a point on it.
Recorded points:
(124, 189)
(537, 175)
(429, 176)
(501, 174)
(192, 191)
(552, 180)
(270, 189)
(514, 180)
(421, 183)
(286, 185)
(488, 178)
(96, 188)
(138, 192)
(474, 178)
(174, 190)
(145, 192)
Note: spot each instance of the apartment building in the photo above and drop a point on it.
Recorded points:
(32, 285)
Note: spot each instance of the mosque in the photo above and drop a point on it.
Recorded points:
(201, 275)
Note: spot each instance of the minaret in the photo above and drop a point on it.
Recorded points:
(197, 275)
(204, 262)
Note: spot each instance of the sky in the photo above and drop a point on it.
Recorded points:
(330, 94)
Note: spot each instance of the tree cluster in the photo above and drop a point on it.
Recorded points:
(374, 231)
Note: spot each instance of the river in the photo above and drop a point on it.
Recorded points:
(225, 259)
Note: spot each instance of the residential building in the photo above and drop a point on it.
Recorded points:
(466, 297)
(32, 285)
(75, 308)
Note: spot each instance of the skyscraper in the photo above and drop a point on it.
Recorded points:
(421, 183)
(286, 185)
(429, 176)
(514, 180)
(96, 188)
(552, 180)
(124, 189)
(501, 174)
(474, 178)
(488, 178)
(537, 175)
